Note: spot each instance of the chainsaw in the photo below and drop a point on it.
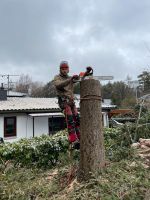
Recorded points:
(83, 75)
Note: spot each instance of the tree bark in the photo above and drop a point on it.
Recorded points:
(92, 154)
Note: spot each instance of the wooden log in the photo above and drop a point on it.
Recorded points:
(92, 155)
(144, 142)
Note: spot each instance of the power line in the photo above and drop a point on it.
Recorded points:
(8, 78)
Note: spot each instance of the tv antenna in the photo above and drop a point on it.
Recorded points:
(8, 79)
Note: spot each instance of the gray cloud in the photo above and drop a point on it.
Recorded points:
(112, 36)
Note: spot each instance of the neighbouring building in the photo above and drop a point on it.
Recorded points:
(29, 117)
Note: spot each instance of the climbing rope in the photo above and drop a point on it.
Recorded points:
(91, 97)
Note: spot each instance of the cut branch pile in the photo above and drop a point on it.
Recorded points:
(143, 147)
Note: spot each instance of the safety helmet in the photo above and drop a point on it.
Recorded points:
(64, 65)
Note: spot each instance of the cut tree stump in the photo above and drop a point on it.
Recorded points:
(92, 154)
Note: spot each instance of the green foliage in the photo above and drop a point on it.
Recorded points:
(118, 140)
(77, 88)
(124, 177)
(45, 151)
(128, 102)
(142, 130)
(145, 118)
(117, 144)
(119, 180)
(143, 109)
(142, 124)
(41, 151)
(49, 90)
(144, 80)
(117, 92)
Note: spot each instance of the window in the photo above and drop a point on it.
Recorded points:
(56, 124)
(9, 126)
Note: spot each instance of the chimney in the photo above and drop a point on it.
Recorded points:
(3, 93)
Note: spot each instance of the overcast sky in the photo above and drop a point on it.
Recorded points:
(112, 36)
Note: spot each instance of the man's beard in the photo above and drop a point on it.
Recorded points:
(64, 74)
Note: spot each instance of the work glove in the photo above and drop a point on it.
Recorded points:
(75, 78)
(88, 69)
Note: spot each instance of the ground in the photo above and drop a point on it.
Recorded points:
(127, 179)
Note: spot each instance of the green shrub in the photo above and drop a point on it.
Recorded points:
(40, 151)
(45, 151)
(117, 144)
(118, 140)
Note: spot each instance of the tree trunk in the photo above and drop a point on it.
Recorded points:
(92, 155)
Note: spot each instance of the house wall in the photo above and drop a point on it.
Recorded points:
(24, 126)
(29, 125)
(105, 120)
(40, 126)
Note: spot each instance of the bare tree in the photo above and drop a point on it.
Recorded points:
(36, 89)
(24, 84)
(49, 90)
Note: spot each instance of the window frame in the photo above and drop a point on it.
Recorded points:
(51, 124)
(14, 133)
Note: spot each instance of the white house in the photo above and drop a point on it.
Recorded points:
(29, 117)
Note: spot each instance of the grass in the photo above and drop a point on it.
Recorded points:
(124, 180)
